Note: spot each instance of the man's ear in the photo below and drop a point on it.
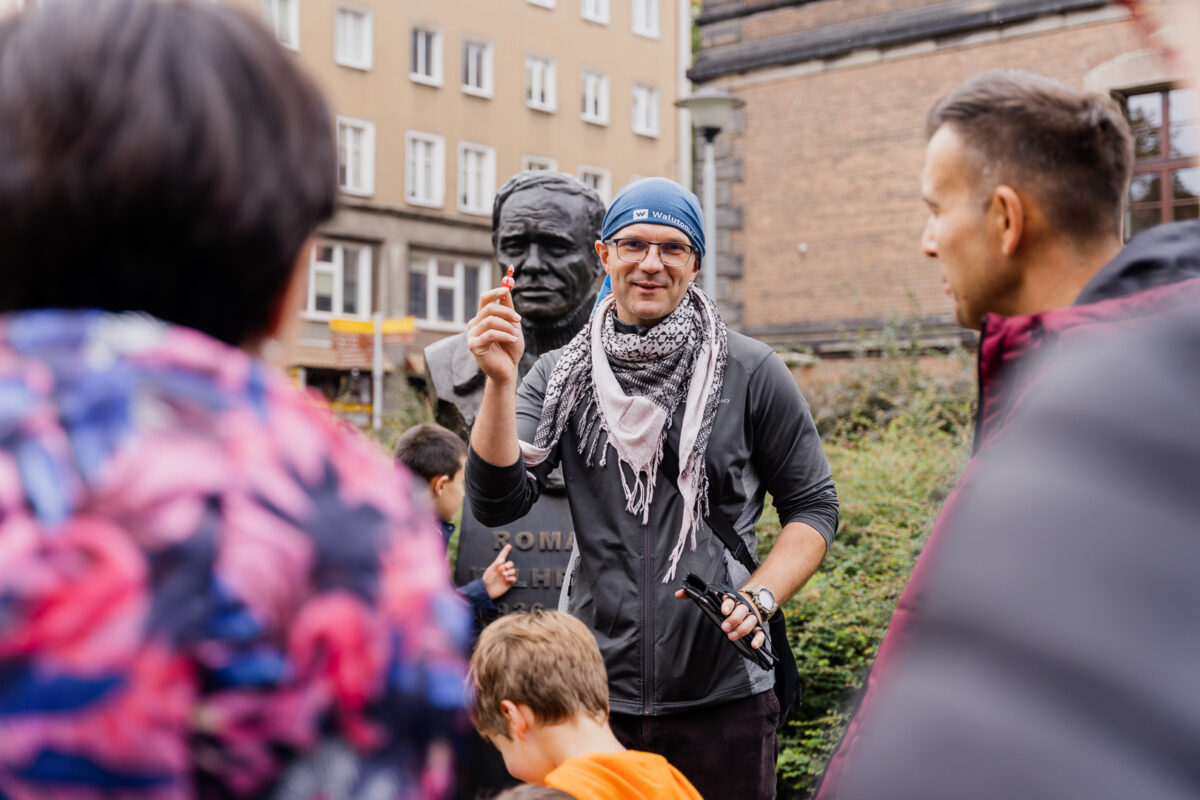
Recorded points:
(519, 717)
(602, 254)
(1007, 218)
(437, 484)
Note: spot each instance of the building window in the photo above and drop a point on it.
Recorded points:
(443, 291)
(425, 184)
(356, 156)
(595, 97)
(539, 83)
(283, 17)
(352, 37)
(598, 179)
(425, 63)
(538, 163)
(645, 110)
(645, 18)
(476, 178)
(1165, 184)
(595, 10)
(477, 68)
(339, 280)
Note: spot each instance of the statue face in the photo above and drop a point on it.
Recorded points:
(547, 237)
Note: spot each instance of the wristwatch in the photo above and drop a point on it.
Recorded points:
(762, 599)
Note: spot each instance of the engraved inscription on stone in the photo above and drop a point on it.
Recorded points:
(541, 541)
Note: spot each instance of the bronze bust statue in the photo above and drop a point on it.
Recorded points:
(544, 224)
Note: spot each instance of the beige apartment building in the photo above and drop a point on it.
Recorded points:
(437, 103)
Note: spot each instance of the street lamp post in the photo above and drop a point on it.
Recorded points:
(711, 110)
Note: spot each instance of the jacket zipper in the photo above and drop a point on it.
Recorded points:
(647, 626)
(979, 386)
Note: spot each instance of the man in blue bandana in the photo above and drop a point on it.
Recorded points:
(666, 425)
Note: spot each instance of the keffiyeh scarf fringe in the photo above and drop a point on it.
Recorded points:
(626, 389)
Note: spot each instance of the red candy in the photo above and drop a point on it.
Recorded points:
(508, 282)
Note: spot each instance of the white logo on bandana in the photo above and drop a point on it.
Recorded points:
(641, 213)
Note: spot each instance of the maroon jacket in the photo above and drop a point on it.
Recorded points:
(1154, 275)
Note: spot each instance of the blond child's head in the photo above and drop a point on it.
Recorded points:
(546, 660)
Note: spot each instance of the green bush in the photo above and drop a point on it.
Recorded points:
(896, 440)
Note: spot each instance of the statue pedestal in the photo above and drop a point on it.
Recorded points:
(541, 541)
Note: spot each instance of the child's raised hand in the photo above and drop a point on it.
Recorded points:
(500, 575)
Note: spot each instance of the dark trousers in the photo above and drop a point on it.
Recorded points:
(728, 751)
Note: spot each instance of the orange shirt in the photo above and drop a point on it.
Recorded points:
(632, 775)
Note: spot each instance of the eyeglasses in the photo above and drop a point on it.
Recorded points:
(672, 254)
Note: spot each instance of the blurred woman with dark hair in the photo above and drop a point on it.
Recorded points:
(208, 587)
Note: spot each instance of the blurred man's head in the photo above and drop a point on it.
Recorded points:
(544, 224)
(158, 157)
(1016, 161)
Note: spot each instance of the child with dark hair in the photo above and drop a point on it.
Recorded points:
(541, 696)
(439, 458)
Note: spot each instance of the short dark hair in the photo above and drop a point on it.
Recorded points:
(159, 157)
(1071, 149)
(552, 181)
(430, 450)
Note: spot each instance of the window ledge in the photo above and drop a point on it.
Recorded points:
(416, 201)
(471, 90)
(439, 326)
(424, 80)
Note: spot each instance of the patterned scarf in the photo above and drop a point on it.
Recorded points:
(628, 387)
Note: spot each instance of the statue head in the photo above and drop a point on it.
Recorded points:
(545, 224)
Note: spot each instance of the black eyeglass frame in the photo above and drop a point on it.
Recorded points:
(692, 250)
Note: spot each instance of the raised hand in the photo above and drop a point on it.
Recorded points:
(494, 336)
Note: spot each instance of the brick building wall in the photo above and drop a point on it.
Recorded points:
(819, 180)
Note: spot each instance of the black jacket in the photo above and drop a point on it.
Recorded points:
(662, 654)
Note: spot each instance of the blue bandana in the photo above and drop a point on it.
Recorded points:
(658, 201)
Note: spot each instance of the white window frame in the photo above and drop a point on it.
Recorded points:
(336, 269)
(645, 110)
(283, 18)
(434, 43)
(368, 156)
(488, 82)
(594, 10)
(604, 187)
(540, 73)
(487, 180)
(542, 3)
(529, 161)
(434, 281)
(594, 85)
(645, 18)
(435, 196)
(341, 37)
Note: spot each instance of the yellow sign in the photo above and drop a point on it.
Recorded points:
(397, 326)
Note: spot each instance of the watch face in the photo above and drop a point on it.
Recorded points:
(766, 599)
